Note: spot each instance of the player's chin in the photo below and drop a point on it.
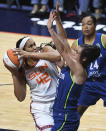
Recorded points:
(86, 33)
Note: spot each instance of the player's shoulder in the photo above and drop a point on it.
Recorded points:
(104, 40)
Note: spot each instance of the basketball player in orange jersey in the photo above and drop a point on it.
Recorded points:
(40, 73)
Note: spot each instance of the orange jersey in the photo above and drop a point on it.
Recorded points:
(42, 80)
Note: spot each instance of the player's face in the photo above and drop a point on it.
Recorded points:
(88, 27)
(30, 46)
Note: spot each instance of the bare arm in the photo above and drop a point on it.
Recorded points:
(19, 84)
(66, 52)
(60, 30)
(62, 46)
(47, 53)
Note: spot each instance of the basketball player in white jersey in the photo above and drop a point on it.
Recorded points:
(40, 73)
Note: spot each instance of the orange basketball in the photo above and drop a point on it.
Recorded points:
(12, 60)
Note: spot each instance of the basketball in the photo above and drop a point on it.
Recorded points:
(11, 60)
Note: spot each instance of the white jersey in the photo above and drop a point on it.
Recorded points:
(42, 80)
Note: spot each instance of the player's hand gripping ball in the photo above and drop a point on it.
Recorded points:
(11, 60)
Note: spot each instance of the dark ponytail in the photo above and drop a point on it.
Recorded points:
(47, 44)
(90, 52)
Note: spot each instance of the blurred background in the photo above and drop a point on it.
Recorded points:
(30, 16)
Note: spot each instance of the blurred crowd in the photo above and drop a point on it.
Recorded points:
(67, 7)
(70, 7)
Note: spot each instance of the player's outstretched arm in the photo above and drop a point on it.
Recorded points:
(62, 46)
(60, 30)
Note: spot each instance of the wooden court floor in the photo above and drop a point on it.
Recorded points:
(16, 115)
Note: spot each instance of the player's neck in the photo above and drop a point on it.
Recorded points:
(90, 39)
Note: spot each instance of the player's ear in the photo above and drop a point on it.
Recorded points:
(84, 59)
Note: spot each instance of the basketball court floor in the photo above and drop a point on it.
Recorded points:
(14, 115)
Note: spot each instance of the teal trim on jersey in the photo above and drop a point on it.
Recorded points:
(71, 77)
(69, 91)
(63, 123)
(102, 42)
(77, 42)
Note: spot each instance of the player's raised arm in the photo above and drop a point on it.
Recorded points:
(60, 30)
(62, 45)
